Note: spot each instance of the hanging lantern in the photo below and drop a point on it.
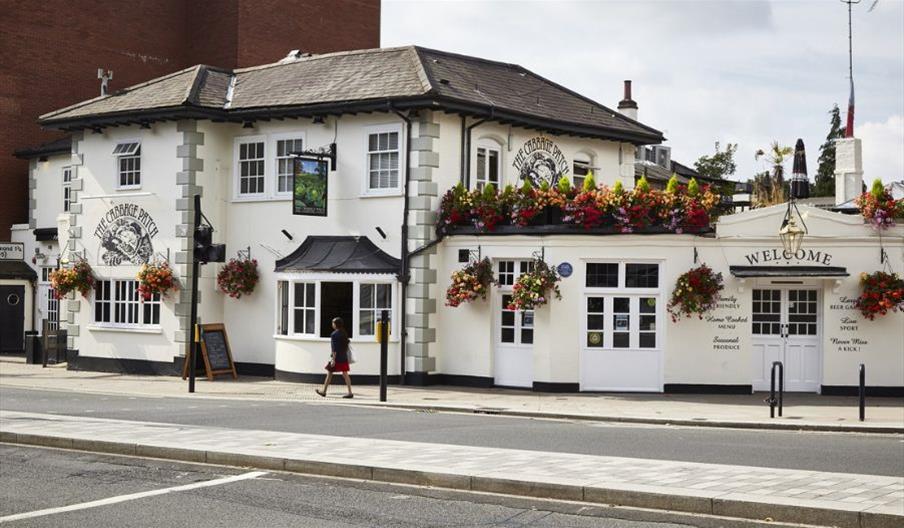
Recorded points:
(792, 235)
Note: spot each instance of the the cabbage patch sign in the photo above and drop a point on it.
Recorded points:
(540, 160)
(125, 234)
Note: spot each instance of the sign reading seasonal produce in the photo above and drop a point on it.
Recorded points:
(540, 160)
(310, 187)
(125, 234)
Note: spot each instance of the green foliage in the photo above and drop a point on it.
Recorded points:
(642, 185)
(589, 182)
(489, 192)
(877, 190)
(825, 174)
(672, 186)
(544, 186)
(720, 164)
(526, 186)
(564, 184)
(618, 188)
(693, 188)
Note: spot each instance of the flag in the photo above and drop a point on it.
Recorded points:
(849, 128)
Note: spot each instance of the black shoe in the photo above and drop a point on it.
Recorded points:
(321, 393)
(347, 396)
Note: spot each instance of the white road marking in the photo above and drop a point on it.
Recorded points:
(131, 496)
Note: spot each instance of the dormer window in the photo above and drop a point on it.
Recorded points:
(128, 161)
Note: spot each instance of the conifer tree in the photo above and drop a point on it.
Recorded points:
(825, 174)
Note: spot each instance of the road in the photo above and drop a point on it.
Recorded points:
(34, 479)
(837, 452)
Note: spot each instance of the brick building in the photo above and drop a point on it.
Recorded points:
(50, 51)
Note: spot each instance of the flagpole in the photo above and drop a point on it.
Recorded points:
(849, 126)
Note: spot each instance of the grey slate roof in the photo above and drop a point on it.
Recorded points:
(57, 146)
(413, 76)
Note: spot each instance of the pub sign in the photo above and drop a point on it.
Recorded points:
(309, 188)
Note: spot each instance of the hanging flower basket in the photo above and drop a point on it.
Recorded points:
(696, 292)
(533, 289)
(470, 282)
(881, 293)
(238, 277)
(156, 278)
(879, 208)
(78, 277)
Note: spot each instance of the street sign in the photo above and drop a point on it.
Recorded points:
(12, 251)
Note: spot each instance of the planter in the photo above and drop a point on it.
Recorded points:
(553, 215)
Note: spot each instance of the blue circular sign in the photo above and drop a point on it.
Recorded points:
(565, 269)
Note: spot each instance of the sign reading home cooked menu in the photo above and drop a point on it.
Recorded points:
(125, 232)
(540, 160)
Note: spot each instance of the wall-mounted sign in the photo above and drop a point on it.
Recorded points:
(565, 269)
(12, 251)
(776, 255)
(540, 160)
(309, 193)
(125, 234)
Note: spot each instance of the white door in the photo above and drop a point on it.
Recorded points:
(620, 347)
(786, 329)
(49, 308)
(514, 354)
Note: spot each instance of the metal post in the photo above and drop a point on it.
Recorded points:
(193, 318)
(384, 351)
(772, 393)
(781, 387)
(862, 392)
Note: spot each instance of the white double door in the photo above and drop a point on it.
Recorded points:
(514, 357)
(786, 327)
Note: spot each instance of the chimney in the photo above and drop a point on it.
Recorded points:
(627, 107)
(848, 170)
(105, 78)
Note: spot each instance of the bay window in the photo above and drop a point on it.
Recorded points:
(306, 308)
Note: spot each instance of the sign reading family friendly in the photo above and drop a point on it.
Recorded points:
(125, 233)
(540, 160)
(779, 255)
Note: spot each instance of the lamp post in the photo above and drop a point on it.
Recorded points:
(791, 234)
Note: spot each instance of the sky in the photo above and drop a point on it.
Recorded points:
(745, 72)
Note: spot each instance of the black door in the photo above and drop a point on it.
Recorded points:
(335, 301)
(12, 318)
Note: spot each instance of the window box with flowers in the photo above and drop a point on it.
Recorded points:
(879, 208)
(881, 293)
(470, 283)
(78, 277)
(696, 292)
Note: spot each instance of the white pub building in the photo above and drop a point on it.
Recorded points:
(406, 125)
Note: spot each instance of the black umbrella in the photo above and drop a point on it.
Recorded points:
(800, 184)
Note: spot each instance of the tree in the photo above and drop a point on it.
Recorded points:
(825, 175)
(720, 164)
(769, 189)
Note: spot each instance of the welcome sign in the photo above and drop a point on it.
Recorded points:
(540, 160)
(777, 255)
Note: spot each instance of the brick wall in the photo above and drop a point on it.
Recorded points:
(50, 51)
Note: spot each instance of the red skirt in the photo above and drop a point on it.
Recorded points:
(338, 367)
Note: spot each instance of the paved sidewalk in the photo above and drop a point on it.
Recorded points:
(801, 411)
(839, 499)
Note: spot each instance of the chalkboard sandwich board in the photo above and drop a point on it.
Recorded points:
(215, 351)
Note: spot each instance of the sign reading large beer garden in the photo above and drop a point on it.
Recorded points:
(540, 160)
(125, 233)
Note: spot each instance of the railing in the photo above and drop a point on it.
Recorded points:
(772, 400)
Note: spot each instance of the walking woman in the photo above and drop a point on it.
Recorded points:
(338, 358)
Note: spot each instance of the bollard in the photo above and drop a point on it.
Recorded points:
(862, 392)
(781, 389)
(384, 351)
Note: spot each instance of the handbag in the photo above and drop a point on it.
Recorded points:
(351, 356)
(330, 366)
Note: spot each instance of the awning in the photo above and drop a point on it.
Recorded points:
(788, 271)
(339, 254)
(16, 269)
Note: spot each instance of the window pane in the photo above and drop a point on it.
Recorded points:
(621, 305)
(642, 275)
(508, 335)
(299, 321)
(299, 294)
(595, 339)
(310, 295)
(620, 340)
(384, 296)
(481, 164)
(647, 305)
(647, 340)
(508, 318)
(596, 321)
(527, 336)
(595, 304)
(393, 140)
(366, 322)
(602, 275)
(309, 321)
(648, 323)
(367, 296)
(372, 142)
(494, 167)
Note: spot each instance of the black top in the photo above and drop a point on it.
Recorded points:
(340, 346)
(339, 254)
